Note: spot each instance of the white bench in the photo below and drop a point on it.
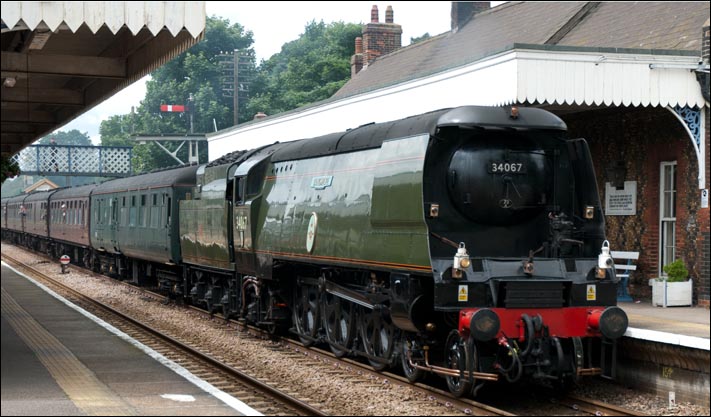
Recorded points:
(623, 269)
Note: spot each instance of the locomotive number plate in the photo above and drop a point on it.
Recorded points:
(500, 167)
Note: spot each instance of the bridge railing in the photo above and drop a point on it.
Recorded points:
(88, 161)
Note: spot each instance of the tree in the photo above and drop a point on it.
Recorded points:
(194, 73)
(8, 168)
(72, 137)
(420, 38)
(308, 69)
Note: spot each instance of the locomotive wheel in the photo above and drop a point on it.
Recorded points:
(338, 321)
(411, 373)
(378, 333)
(306, 314)
(457, 357)
(565, 371)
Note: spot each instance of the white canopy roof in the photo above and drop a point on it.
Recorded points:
(174, 15)
(523, 74)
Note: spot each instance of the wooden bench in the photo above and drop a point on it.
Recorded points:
(623, 269)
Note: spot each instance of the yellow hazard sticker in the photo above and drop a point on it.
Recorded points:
(591, 293)
(463, 294)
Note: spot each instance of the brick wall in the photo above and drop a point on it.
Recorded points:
(642, 138)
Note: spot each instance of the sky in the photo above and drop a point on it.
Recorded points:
(274, 23)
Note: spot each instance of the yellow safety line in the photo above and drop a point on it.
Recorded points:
(80, 384)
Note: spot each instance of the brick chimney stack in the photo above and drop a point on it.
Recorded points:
(463, 11)
(378, 39)
(357, 58)
(381, 38)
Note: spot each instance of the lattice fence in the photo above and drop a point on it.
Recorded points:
(92, 161)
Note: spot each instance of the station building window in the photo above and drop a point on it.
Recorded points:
(667, 214)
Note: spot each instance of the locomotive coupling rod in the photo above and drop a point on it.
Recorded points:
(347, 294)
(451, 372)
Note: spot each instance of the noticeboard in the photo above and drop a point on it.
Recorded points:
(621, 202)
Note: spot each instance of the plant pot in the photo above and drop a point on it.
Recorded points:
(670, 294)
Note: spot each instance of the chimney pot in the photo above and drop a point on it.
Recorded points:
(374, 14)
(389, 15)
(359, 45)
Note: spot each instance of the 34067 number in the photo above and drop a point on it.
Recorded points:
(497, 167)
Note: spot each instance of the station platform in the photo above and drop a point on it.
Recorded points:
(683, 326)
(59, 360)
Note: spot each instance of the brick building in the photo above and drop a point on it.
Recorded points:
(631, 78)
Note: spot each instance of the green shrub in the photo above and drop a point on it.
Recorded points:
(676, 271)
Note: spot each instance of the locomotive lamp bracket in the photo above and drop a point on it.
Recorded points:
(461, 261)
(604, 261)
(434, 210)
(589, 212)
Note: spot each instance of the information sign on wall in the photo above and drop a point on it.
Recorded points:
(622, 202)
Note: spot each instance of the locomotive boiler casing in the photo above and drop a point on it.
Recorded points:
(349, 209)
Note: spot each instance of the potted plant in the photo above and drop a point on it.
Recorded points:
(674, 289)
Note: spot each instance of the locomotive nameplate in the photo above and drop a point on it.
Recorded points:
(501, 167)
(320, 183)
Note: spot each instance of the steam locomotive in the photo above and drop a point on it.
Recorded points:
(466, 242)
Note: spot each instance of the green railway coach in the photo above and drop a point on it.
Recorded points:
(135, 223)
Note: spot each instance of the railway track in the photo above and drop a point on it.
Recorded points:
(597, 408)
(349, 369)
(257, 394)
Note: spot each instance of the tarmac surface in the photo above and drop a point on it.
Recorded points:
(59, 361)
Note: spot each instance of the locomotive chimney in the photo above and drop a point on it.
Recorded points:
(462, 12)
(259, 115)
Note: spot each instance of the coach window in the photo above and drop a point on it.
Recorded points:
(168, 211)
(155, 212)
(144, 211)
(132, 212)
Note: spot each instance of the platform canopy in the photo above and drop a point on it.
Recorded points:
(60, 59)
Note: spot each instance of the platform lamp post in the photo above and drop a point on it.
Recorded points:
(64, 260)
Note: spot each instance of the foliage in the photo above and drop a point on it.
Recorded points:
(676, 271)
(72, 137)
(9, 168)
(420, 38)
(309, 69)
(195, 73)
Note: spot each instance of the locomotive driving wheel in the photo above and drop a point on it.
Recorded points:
(378, 334)
(458, 358)
(306, 313)
(338, 322)
(412, 373)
